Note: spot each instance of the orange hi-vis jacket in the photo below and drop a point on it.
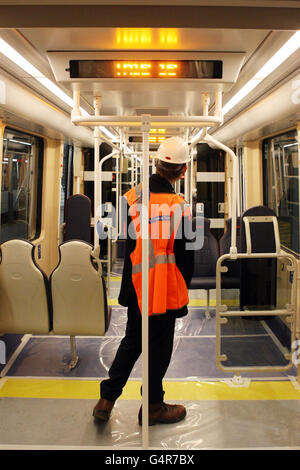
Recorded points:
(167, 287)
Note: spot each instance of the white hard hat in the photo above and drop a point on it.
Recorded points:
(173, 150)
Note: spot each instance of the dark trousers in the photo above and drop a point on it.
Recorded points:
(161, 336)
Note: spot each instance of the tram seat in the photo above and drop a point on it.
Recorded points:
(231, 279)
(78, 292)
(258, 275)
(24, 291)
(205, 260)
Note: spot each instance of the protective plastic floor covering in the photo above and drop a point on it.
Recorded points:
(208, 425)
(240, 420)
(245, 342)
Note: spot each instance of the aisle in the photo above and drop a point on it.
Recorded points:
(44, 404)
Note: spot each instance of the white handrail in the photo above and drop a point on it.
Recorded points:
(96, 183)
(115, 238)
(109, 142)
(262, 218)
(222, 312)
(135, 121)
(191, 179)
(209, 138)
(197, 139)
(145, 279)
(110, 155)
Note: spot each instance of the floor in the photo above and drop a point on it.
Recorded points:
(44, 404)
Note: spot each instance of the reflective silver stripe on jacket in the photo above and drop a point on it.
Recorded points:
(154, 260)
(159, 259)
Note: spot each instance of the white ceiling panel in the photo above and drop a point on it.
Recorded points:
(105, 39)
(124, 100)
(35, 43)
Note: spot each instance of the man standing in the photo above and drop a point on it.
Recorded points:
(170, 272)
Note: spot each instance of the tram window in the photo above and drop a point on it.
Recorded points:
(281, 180)
(21, 185)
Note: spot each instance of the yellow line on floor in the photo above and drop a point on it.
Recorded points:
(89, 389)
(193, 302)
(212, 303)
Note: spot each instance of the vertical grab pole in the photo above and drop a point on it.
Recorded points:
(135, 172)
(132, 171)
(145, 276)
(186, 186)
(218, 144)
(1, 157)
(229, 196)
(96, 184)
(218, 105)
(97, 208)
(118, 157)
(186, 179)
(191, 177)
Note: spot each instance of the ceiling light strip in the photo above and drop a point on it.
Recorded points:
(277, 59)
(23, 63)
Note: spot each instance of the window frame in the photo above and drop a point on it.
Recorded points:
(267, 146)
(39, 180)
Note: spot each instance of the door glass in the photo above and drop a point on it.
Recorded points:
(281, 185)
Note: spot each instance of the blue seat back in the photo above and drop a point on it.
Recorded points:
(78, 218)
(258, 275)
(206, 258)
(262, 234)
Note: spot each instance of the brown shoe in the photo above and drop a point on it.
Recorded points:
(103, 409)
(164, 413)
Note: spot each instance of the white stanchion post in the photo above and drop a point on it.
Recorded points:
(132, 170)
(96, 183)
(209, 138)
(117, 196)
(205, 103)
(145, 126)
(191, 175)
(229, 184)
(97, 208)
(1, 158)
(186, 185)
(218, 105)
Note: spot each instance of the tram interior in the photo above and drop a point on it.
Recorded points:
(233, 364)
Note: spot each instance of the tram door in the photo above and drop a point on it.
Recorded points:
(210, 178)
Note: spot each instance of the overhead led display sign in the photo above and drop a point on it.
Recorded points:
(143, 69)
